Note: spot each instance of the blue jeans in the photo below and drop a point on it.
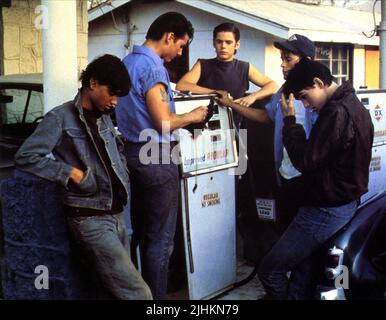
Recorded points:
(154, 207)
(298, 251)
(104, 242)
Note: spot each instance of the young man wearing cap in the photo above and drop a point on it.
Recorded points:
(334, 162)
(291, 51)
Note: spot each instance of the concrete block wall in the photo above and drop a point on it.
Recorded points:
(22, 41)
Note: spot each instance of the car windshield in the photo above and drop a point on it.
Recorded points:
(20, 111)
(20, 106)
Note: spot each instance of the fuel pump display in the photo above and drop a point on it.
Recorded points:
(209, 146)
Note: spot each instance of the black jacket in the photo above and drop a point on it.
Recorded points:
(335, 160)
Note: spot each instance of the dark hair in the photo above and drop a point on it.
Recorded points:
(108, 70)
(301, 55)
(227, 27)
(170, 22)
(302, 76)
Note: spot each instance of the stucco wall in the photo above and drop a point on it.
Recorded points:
(23, 41)
(359, 66)
(273, 62)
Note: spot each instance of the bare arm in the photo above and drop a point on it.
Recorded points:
(157, 100)
(257, 115)
(267, 85)
(189, 81)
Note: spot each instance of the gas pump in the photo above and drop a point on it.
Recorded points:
(207, 157)
(375, 102)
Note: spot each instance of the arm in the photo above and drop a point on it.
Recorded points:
(189, 81)
(319, 149)
(258, 115)
(157, 101)
(32, 155)
(267, 85)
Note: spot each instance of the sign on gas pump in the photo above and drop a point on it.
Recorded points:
(375, 102)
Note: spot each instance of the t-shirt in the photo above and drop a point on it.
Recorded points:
(232, 76)
(303, 116)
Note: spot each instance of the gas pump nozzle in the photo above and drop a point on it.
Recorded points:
(202, 125)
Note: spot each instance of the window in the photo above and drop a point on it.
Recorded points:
(20, 112)
(24, 107)
(336, 57)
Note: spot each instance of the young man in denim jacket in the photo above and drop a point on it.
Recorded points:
(76, 145)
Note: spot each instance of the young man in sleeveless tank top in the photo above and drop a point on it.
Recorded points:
(225, 72)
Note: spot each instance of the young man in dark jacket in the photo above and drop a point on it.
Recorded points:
(334, 163)
(76, 145)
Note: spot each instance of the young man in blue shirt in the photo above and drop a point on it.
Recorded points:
(148, 112)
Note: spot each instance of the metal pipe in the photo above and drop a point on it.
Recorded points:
(59, 41)
(382, 46)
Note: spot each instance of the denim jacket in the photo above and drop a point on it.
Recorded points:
(64, 133)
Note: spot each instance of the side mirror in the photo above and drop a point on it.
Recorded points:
(6, 99)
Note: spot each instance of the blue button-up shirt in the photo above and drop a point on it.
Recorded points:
(303, 116)
(146, 69)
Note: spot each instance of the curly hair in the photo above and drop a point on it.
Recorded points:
(108, 70)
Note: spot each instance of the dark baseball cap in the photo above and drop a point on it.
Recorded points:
(297, 44)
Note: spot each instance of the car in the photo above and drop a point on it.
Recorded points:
(21, 109)
(355, 258)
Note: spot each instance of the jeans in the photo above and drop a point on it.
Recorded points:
(154, 207)
(298, 251)
(104, 242)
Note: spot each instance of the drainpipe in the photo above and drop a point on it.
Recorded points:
(382, 46)
(59, 41)
(1, 42)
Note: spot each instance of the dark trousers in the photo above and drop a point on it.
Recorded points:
(154, 207)
(298, 251)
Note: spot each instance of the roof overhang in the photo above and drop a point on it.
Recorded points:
(337, 37)
(104, 8)
(239, 16)
(318, 23)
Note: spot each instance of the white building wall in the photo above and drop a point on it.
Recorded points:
(273, 62)
(107, 37)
